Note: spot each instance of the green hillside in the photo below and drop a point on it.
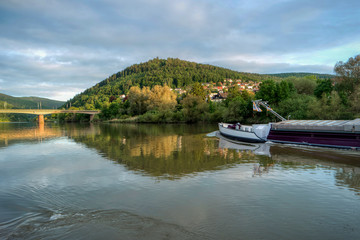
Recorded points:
(29, 102)
(301, 74)
(175, 73)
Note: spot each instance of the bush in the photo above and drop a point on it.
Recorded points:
(298, 107)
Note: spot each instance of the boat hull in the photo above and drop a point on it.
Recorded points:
(240, 135)
(316, 138)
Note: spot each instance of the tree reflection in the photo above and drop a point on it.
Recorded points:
(349, 177)
(174, 151)
(170, 151)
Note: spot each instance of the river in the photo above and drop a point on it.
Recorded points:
(128, 181)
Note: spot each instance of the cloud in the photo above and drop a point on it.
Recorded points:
(72, 45)
(271, 67)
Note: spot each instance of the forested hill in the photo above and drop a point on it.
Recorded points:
(175, 73)
(301, 74)
(28, 102)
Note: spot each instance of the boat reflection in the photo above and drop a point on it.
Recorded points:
(345, 163)
(256, 148)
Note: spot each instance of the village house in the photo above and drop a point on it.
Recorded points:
(228, 81)
(219, 90)
(179, 90)
(218, 97)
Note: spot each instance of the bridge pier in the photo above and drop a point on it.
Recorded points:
(91, 117)
(41, 119)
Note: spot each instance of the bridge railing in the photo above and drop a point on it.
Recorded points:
(48, 111)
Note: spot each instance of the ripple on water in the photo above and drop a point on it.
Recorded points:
(88, 224)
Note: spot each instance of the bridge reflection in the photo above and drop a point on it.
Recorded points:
(37, 132)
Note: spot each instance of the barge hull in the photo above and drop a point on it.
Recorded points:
(324, 139)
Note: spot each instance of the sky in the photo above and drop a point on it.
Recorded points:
(59, 48)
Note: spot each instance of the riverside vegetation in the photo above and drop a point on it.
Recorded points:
(150, 98)
(304, 97)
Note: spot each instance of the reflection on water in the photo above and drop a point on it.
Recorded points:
(172, 151)
(346, 163)
(15, 132)
(175, 151)
(128, 181)
(166, 153)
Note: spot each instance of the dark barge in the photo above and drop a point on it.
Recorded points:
(325, 133)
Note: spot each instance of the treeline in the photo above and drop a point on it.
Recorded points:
(294, 97)
(30, 102)
(11, 117)
(161, 105)
(337, 98)
(301, 74)
(172, 72)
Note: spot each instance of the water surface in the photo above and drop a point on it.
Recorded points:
(125, 181)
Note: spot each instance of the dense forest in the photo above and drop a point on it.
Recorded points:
(174, 73)
(150, 98)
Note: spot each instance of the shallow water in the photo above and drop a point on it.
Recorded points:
(124, 181)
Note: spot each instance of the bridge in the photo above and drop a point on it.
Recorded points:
(42, 112)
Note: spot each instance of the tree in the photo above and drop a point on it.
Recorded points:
(234, 92)
(348, 74)
(198, 90)
(139, 100)
(246, 96)
(275, 92)
(355, 101)
(193, 108)
(112, 98)
(162, 98)
(327, 107)
(304, 85)
(5, 105)
(237, 110)
(297, 107)
(267, 91)
(324, 86)
(284, 90)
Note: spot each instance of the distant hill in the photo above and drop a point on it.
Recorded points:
(301, 74)
(173, 72)
(30, 102)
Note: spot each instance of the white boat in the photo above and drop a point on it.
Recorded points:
(256, 133)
